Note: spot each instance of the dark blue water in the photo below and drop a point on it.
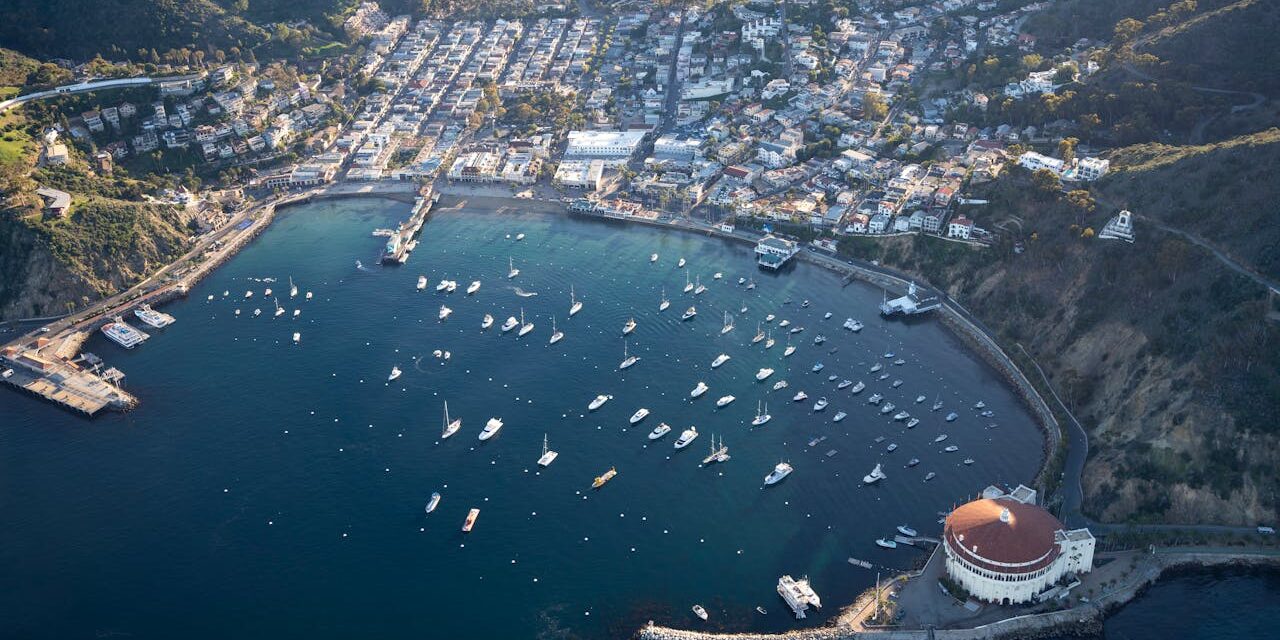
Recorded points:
(1202, 606)
(266, 489)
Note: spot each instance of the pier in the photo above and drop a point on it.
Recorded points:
(401, 241)
(60, 381)
(774, 252)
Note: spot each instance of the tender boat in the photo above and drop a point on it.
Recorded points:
(780, 471)
(450, 426)
(519, 236)
(308, 296)
(598, 402)
(471, 520)
(762, 415)
(487, 322)
(889, 355)
(899, 362)
(805, 304)
(248, 294)
(720, 359)
(820, 405)
(689, 314)
(661, 430)
(433, 502)
(832, 377)
(839, 416)
(920, 399)
(266, 292)
(510, 324)
(395, 373)
(819, 339)
(779, 385)
(826, 316)
(297, 312)
(473, 287)
(724, 401)
(689, 435)
(769, 318)
(490, 428)
(764, 373)
(888, 544)
(761, 611)
(698, 390)
(980, 405)
(800, 396)
(297, 337)
(639, 415)
(968, 460)
(699, 611)
(548, 456)
(876, 475)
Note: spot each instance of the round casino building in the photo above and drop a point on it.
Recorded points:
(1004, 548)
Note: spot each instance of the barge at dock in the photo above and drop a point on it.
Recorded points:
(401, 241)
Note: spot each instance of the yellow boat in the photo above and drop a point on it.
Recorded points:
(608, 475)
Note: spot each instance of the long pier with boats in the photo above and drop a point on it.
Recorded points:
(402, 240)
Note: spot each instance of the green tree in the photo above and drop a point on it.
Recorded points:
(1127, 28)
(873, 107)
(1067, 150)
(1045, 181)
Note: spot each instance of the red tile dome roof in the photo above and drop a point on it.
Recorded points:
(994, 534)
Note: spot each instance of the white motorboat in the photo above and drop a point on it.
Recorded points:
(473, 287)
(575, 305)
(525, 327)
(512, 271)
(804, 304)
(629, 327)
(937, 404)
(818, 366)
(717, 276)
(951, 417)
(901, 415)
(724, 401)
(784, 323)
(907, 531)
(920, 399)
(237, 312)
(899, 362)
(486, 322)
(876, 367)
(689, 313)
(844, 384)
(266, 293)
(839, 416)
(510, 324)
(308, 296)
(698, 390)
(968, 460)
(952, 449)
(699, 611)
(764, 374)
(912, 423)
(876, 475)
(297, 312)
(422, 283)
(519, 236)
(742, 281)
(720, 359)
(769, 318)
(800, 396)
(941, 437)
(857, 388)
(913, 462)
(444, 312)
(627, 360)
(819, 339)
(548, 456)
(931, 475)
(639, 415)
(820, 405)
(689, 435)
(490, 428)
(875, 398)
(797, 329)
(665, 304)
(896, 383)
(450, 426)
(395, 373)
(780, 471)
(893, 446)
(598, 402)
(887, 408)
(887, 544)
(751, 284)
(853, 325)
(442, 285)
(556, 334)
(661, 430)
(297, 337)
(980, 405)
(653, 257)
(433, 502)
(762, 415)
(780, 385)
(680, 264)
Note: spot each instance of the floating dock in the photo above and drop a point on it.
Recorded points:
(62, 382)
(401, 241)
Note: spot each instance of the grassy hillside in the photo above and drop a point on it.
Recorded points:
(1235, 49)
(1163, 353)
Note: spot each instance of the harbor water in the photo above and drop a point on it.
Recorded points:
(271, 489)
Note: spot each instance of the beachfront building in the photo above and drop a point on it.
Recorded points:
(1004, 548)
(612, 147)
(773, 252)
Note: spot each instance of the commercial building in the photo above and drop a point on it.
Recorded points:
(614, 147)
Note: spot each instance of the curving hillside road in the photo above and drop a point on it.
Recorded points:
(92, 85)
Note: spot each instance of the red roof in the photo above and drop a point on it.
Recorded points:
(991, 533)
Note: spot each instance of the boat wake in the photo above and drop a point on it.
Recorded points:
(524, 294)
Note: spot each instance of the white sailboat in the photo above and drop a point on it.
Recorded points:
(662, 306)
(556, 334)
(791, 348)
(762, 415)
(627, 360)
(759, 334)
(512, 270)
(728, 324)
(575, 305)
(548, 456)
(699, 288)
(279, 309)
(525, 327)
(293, 288)
(450, 426)
(768, 341)
(688, 286)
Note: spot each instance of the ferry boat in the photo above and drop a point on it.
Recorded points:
(473, 287)
(444, 312)
(512, 271)
(780, 471)
(121, 333)
(689, 435)
(548, 456)
(422, 283)
(720, 359)
(450, 426)
(510, 324)
(839, 416)
(762, 415)
(653, 257)
(887, 544)
(491, 428)
(907, 531)
(433, 502)
(951, 417)
(875, 398)
(395, 373)
(698, 390)
(556, 334)
(575, 305)
(876, 475)
(844, 384)
(724, 401)
(820, 405)
(857, 388)
(665, 303)
(699, 611)
(689, 313)
(798, 595)
(629, 327)
(639, 415)
(779, 385)
(661, 430)
(627, 360)
(486, 322)
(598, 402)
(601, 480)
(764, 373)
(471, 520)
(152, 317)
(800, 396)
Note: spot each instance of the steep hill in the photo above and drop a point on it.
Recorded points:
(1165, 355)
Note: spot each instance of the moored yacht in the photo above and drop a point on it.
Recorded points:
(844, 384)
(422, 283)
(951, 417)
(780, 471)
(653, 257)
(662, 306)
(764, 373)
(698, 390)
(627, 360)
(907, 531)
(699, 288)
(759, 335)
(525, 327)
(575, 305)
(556, 334)
(450, 426)
(840, 415)
(680, 263)
(762, 415)
(629, 327)
(152, 317)
(724, 401)
(444, 312)
(876, 475)
(728, 324)
(820, 405)
(639, 415)
(395, 373)
(598, 402)
(688, 286)
(780, 385)
(491, 428)
(791, 348)
(661, 430)
(470, 522)
(548, 456)
(473, 287)
(510, 324)
(887, 544)
(720, 359)
(800, 396)
(857, 388)
(689, 435)
(818, 366)
(433, 502)
(689, 313)
(486, 322)
(512, 271)
(768, 341)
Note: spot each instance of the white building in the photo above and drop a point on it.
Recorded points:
(583, 174)
(1033, 161)
(614, 147)
(961, 227)
(1088, 169)
(1005, 548)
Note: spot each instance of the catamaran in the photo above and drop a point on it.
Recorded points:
(450, 426)
(762, 415)
(698, 390)
(780, 471)
(720, 359)
(763, 373)
(661, 430)
(639, 415)
(689, 313)
(512, 270)
(598, 402)
(575, 305)
(556, 334)
(525, 327)
(473, 287)
(491, 428)
(662, 306)
(627, 360)
(548, 456)
(486, 322)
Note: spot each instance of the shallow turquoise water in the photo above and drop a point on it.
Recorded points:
(267, 489)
